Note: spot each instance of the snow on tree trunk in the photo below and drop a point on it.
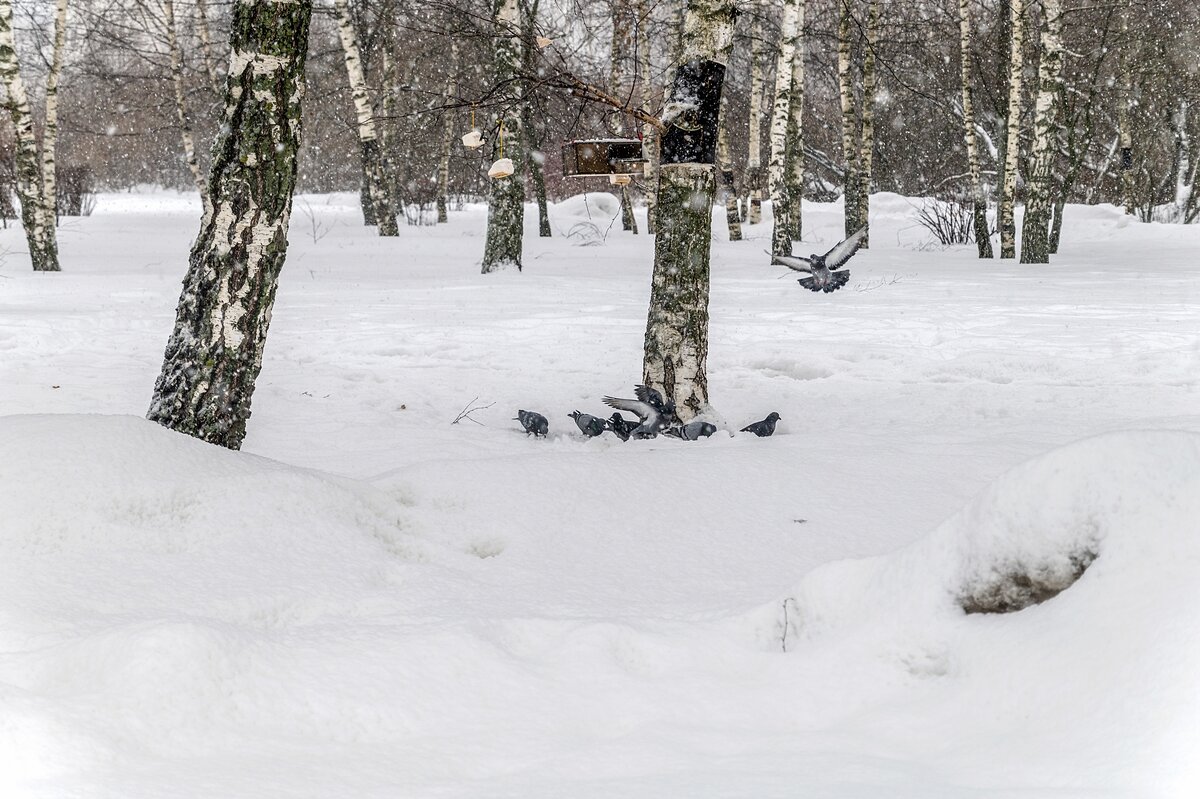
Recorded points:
(535, 158)
(850, 151)
(448, 96)
(181, 112)
(50, 129)
(1035, 229)
(1008, 181)
(794, 152)
(676, 348)
(978, 200)
(506, 208)
(215, 351)
(867, 140)
(728, 190)
(368, 139)
(38, 224)
(755, 178)
(789, 32)
(622, 45)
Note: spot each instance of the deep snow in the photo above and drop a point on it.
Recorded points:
(370, 601)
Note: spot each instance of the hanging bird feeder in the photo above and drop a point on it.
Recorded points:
(473, 139)
(503, 167)
(543, 42)
(620, 180)
(613, 157)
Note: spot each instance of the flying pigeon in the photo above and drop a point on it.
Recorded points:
(764, 428)
(692, 431)
(589, 425)
(534, 423)
(654, 413)
(821, 267)
(621, 426)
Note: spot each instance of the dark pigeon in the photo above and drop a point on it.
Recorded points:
(654, 414)
(534, 423)
(692, 431)
(589, 425)
(822, 267)
(764, 428)
(621, 426)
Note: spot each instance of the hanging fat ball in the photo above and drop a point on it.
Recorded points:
(764, 428)
(589, 425)
(692, 431)
(621, 426)
(543, 42)
(654, 413)
(534, 423)
(473, 140)
(821, 267)
(501, 169)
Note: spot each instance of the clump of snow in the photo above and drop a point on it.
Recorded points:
(599, 207)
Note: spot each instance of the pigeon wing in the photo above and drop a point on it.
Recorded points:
(795, 263)
(842, 251)
(644, 410)
(648, 395)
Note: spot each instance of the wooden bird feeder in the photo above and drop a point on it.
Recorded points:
(594, 157)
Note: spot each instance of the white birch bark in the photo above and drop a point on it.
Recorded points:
(181, 112)
(622, 46)
(781, 240)
(50, 129)
(978, 200)
(1008, 181)
(504, 245)
(850, 152)
(727, 190)
(794, 150)
(448, 97)
(758, 87)
(649, 132)
(867, 138)
(1035, 230)
(206, 49)
(1124, 95)
(368, 137)
(38, 224)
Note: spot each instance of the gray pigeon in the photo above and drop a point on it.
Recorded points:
(821, 267)
(534, 423)
(654, 413)
(764, 428)
(621, 426)
(589, 425)
(692, 431)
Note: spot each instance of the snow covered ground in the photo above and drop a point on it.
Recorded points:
(370, 601)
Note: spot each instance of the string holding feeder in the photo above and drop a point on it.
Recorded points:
(503, 167)
(473, 139)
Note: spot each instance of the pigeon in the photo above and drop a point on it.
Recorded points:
(821, 267)
(764, 428)
(621, 426)
(692, 431)
(534, 423)
(651, 409)
(589, 425)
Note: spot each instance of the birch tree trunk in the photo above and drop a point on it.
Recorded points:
(38, 223)
(448, 97)
(50, 129)
(215, 351)
(867, 137)
(676, 349)
(622, 47)
(181, 112)
(758, 86)
(206, 48)
(535, 158)
(728, 188)
(368, 138)
(506, 208)
(1008, 182)
(1035, 229)
(794, 151)
(850, 151)
(978, 201)
(1124, 94)
(781, 239)
(649, 132)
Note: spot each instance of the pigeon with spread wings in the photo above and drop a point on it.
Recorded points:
(821, 268)
(653, 412)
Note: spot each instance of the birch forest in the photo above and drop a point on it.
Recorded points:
(978, 103)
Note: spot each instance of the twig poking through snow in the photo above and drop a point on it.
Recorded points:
(786, 623)
(877, 283)
(470, 408)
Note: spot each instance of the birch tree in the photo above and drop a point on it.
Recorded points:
(789, 31)
(534, 157)
(794, 150)
(382, 209)
(867, 132)
(36, 218)
(978, 200)
(448, 99)
(850, 152)
(676, 348)
(204, 34)
(728, 187)
(215, 350)
(181, 112)
(1035, 229)
(622, 47)
(50, 129)
(649, 132)
(1008, 180)
(758, 86)
(506, 208)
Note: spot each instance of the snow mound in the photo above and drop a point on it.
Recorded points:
(1042, 676)
(197, 524)
(597, 206)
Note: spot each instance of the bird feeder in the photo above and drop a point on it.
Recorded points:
(543, 42)
(620, 180)
(593, 157)
(473, 139)
(503, 167)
